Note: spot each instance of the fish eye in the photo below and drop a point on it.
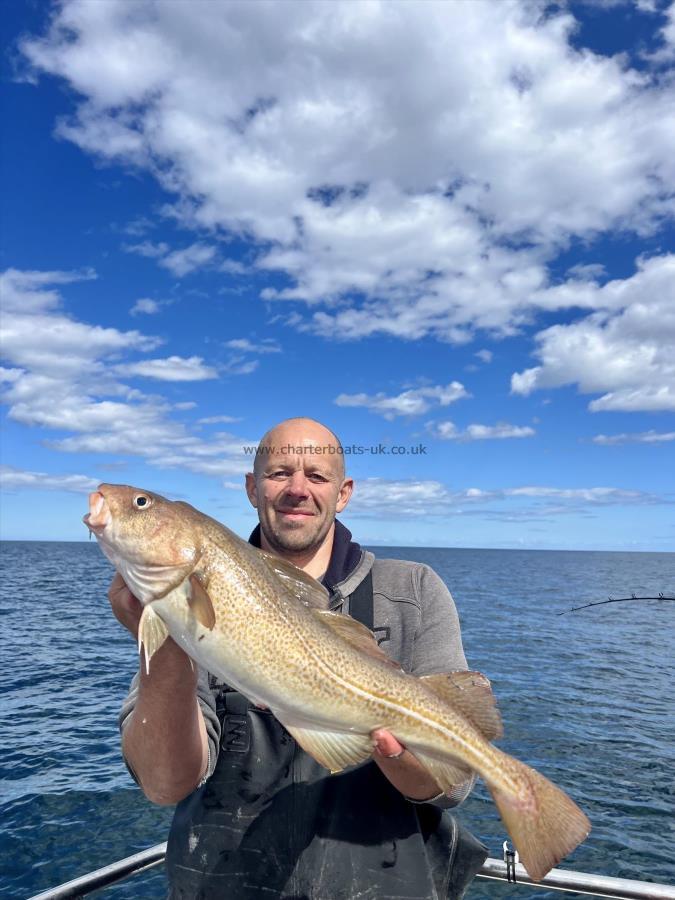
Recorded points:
(141, 501)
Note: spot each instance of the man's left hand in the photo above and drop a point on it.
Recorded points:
(402, 769)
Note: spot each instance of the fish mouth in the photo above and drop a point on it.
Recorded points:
(99, 515)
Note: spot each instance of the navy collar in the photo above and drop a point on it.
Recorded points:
(344, 558)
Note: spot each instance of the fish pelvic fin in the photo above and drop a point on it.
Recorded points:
(200, 603)
(334, 750)
(152, 632)
(306, 589)
(469, 693)
(545, 827)
(356, 634)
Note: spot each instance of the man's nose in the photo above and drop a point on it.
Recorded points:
(297, 484)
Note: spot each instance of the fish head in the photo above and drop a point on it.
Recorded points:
(154, 543)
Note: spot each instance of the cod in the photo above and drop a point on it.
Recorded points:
(262, 625)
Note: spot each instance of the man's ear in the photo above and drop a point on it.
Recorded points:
(344, 494)
(252, 489)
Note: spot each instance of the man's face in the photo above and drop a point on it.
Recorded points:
(298, 490)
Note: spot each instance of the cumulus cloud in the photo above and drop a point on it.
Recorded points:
(182, 262)
(178, 262)
(145, 306)
(412, 402)
(622, 351)
(172, 368)
(642, 437)
(390, 177)
(448, 431)
(65, 376)
(24, 291)
(14, 479)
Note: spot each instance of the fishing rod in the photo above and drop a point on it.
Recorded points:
(660, 596)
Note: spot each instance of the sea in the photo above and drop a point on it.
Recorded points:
(587, 697)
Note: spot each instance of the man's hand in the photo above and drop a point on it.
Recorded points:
(405, 772)
(126, 608)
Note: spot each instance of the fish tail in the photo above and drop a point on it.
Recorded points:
(543, 822)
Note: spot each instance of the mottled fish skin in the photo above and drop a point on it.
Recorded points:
(281, 653)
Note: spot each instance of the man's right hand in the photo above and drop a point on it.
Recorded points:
(126, 608)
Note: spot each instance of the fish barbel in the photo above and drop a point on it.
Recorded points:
(262, 625)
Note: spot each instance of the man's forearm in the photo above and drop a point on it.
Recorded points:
(164, 739)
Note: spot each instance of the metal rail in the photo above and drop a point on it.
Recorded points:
(581, 882)
(92, 881)
(493, 869)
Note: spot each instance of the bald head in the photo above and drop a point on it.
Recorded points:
(298, 486)
(315, 439)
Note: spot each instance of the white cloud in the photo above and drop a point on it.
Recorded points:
(218, 420)
(145, 306)
(15, 479)
(37, 336)
(172, 368)
(502, 430)
(65, 377)
(182, 262)
(147, 249)
(178, 262)
(25, 291)
(237, 365)
(484, 355)
(138, 226)
(623, 351)
(412, 402)
(642, 437)
(666, 52)
(389, 498)
(367, 153)
(267, 345)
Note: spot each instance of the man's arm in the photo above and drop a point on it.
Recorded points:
(164, 738)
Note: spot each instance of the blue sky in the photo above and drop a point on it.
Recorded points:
(441, 224)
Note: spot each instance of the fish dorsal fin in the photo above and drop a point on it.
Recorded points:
(356, 634)
(307, 589)
(200, 603)
(334, 750)
(471, 694)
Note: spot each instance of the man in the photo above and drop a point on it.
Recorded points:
(256, 816)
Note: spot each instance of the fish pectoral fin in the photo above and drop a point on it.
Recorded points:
(471, 694)
(447, 773)
(307, 589)
(356, 634)
(334, 750)
(200, 604)
(152, 632)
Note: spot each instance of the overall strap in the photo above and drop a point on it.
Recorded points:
(361, 602)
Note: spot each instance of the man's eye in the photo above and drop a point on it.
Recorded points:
(278, 474)
(315, 476)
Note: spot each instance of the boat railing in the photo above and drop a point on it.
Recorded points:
(493, 869)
